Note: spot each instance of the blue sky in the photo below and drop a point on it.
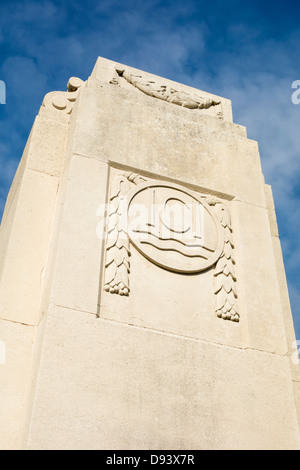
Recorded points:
(246, 51)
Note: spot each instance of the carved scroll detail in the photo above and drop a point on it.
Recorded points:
(117, 264)
(64, 100)
(167, 93)
(224, 273)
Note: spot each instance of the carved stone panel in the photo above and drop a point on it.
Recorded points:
(175, 228)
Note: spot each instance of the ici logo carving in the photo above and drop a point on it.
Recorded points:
(173, 228)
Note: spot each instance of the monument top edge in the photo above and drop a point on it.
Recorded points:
(106, 69)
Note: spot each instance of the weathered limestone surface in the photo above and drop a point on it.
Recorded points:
(141, 388)
(116, 342)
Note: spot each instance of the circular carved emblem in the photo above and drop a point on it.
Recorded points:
(173, 228)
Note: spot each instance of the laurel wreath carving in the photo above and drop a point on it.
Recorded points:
(167, 93)
(224, 272)
(117, 264)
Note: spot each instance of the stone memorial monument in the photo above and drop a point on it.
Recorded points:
(143, 296)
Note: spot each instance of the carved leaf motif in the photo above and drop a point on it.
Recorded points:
(220, 266)
(220, 299)
(112, 238)
(112, 222)
(231, 298)
(119, 258)
(227, 250)
(167, 93)
(229, 269)
(224, 273)
(228, 236)
(126, 263)
(218, 283)
(117, 265)
(110, 273)
(227, 283)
